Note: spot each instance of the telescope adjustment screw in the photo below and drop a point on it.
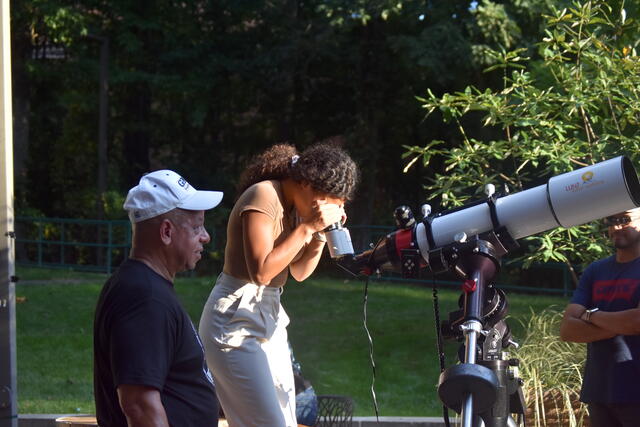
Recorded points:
(460, 237)
(471, 325)
(425, 210)
(489, 190)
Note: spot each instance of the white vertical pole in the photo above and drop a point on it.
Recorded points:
(8, 383)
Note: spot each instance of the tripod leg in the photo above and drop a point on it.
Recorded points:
(467, 411)
(471, 329)
(511, 422)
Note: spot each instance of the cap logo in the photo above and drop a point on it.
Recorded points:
(183, 183)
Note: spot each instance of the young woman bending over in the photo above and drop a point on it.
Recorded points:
(275, 228)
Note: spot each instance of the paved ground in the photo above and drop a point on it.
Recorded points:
(49, 420)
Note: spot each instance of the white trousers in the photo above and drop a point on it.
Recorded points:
(243, 328)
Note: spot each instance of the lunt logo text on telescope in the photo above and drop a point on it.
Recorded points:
(587, 182)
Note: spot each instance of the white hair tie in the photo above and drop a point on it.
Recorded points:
(294, 159)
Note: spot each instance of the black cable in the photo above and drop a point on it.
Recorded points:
(364, 322)
(373, 363)
(436, 314)
(439, 345)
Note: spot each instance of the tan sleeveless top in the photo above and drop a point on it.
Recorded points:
(265, 197)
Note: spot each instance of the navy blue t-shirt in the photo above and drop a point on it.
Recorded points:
(612, 371)
(143, 336)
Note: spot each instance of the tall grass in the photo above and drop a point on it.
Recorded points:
(552, 372)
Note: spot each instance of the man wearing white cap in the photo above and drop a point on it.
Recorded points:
(149, 366)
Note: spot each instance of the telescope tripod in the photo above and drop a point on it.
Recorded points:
(485, 388)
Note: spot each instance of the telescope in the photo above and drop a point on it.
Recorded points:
(573, 198)
(470, 241)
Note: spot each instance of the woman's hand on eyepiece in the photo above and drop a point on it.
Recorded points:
(324, 214)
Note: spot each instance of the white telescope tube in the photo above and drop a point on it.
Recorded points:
(570, 199)
(594, 192)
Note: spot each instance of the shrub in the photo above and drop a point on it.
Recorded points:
(552, 373)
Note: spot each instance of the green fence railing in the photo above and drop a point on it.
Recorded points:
(81, 244)
(101, 245)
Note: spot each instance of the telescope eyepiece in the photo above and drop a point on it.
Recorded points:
(334, 226)
(338, 240)
(404, 217)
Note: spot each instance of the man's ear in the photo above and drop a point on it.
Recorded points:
(166, 231)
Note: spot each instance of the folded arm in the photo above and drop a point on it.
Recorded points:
(625, 322)
(574, 329)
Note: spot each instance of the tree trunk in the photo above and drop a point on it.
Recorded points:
(137, 138)
(21, 107)
(369, 132)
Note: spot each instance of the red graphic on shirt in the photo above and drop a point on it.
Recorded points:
(618, 289)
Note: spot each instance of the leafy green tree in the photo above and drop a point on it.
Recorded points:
(200, 86)
(578, 105)
(36, 135)
(394, 51)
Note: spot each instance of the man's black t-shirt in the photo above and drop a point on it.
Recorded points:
(143, 336)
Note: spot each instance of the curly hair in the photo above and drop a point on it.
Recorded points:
(328, 169)
(274, 163)
(325, 166)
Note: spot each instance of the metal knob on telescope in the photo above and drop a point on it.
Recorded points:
(404, 217)
(425, 210)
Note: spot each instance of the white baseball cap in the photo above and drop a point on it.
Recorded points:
(164, 190)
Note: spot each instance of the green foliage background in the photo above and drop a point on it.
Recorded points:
(200, 86)
(510, 92)
(576, 105)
